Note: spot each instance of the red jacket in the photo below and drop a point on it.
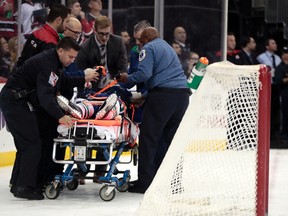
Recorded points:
(8, 24)
(42, 39)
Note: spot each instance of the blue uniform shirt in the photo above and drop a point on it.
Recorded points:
(159, 66)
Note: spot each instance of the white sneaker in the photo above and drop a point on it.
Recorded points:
(69, 107)
(109, 103)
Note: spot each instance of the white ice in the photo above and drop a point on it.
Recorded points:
(85, 200)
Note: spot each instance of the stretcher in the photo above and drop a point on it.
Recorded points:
(112, 138)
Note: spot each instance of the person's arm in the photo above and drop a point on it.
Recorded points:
(145, 66)
(86, 26)
(89, 75)
(46, 89)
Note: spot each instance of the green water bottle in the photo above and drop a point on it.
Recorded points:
(197, 73)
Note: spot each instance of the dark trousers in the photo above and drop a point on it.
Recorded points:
(48, 131)
(23, 125)
(162, 115)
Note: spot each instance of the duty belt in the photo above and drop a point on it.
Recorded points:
(20, 94)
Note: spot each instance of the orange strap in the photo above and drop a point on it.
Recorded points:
(133, 112)
(114, 82)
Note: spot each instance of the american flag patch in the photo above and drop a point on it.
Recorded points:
(53, 79)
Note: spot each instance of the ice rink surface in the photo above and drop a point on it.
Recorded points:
(85, 200)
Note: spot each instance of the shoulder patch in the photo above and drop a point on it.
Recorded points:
(53, 79)
(142, 55)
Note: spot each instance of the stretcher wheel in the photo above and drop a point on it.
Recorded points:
(72, 185)
(124, 187)
(51, 192)
(104, 196)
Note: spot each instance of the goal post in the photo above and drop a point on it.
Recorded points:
(263, 141)
(217, 163)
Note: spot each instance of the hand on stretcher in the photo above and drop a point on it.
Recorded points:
(67, 120)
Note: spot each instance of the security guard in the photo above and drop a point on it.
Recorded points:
(34, 87)
(168, 98)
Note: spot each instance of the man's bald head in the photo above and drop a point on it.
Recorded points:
(74, 24)
(74, 28)
(180, 34)
(149, 34)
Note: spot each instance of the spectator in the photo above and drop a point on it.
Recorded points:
(193, 59)
(8, 24)
(47, 36)
(232, 52)
(272, 60)
(5, 58)
(13, 49)
(76, 12)
(247, 54)
(180, 37)
(29, 90)
(126, 40)
(94, 11)
(167, 101)
(73, 29)
(27, 18)
(281, 78)
(177, 49)
(107, 50)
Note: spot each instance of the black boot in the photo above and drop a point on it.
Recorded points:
(27, 193)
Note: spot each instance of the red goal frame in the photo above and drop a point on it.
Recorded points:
(263, 141)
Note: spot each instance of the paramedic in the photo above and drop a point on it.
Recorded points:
(31, 88)
(168, 98)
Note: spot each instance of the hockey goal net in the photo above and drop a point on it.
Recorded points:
(217, 162)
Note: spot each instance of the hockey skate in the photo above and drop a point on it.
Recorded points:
(69, 107)
(109, 103)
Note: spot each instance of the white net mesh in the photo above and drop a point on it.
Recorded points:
(211, 165)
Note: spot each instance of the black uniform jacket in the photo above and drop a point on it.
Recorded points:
(43, 74)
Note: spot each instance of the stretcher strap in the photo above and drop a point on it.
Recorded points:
(114, 82)
(133, 112)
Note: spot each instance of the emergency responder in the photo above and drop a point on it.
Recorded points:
(168, 98)
(33, 87)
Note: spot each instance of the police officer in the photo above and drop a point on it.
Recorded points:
(168, 98)
(34, 87)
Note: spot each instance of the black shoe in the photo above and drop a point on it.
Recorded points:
(28, 193)
(133, 183)
(12, 189)
(136, 187)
